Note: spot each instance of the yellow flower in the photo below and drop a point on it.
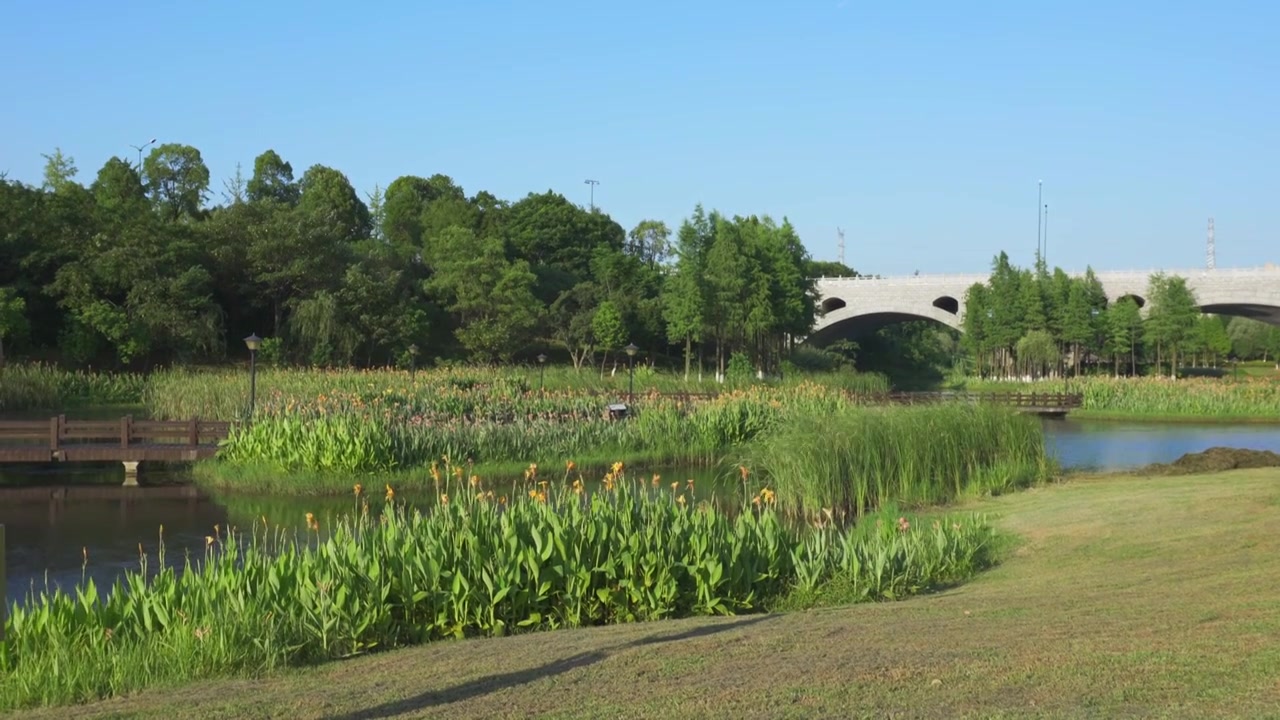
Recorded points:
(617, 468)
(444, 499)
(569, 465)
(680, 500)
(208, 540)
(391, 494)
(358, 489)
(675, 486)
(475, 480)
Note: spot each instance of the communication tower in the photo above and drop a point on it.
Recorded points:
(840, 245)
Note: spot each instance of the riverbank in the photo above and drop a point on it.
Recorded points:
(1128, 596)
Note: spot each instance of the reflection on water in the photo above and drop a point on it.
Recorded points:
(82, 508)
(1106, 445)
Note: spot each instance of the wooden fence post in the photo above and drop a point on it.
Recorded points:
(126, 431)
(193, 432)
(55, 431)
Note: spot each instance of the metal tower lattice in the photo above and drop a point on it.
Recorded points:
(840, 244)
(1210, 252)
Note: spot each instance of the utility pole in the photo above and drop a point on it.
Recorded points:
(593, 184)
(140, 148)
(1210, 252)
(840, 245)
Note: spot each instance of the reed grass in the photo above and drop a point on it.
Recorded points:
(857, 458)
(385, 432)
(44, 387)
(1154, 397)
(477, 564)
(472, 393)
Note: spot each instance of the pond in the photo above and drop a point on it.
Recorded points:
(69, 526)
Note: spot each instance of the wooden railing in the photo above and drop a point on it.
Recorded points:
(59, 432)
(1010, 399)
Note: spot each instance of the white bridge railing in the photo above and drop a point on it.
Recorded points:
(1267, 270)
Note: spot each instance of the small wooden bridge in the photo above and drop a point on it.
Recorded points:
(1033, 402)
(126, 441)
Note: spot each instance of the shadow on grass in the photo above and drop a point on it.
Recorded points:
(491, 683)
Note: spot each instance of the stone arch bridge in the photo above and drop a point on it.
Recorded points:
(851, 306)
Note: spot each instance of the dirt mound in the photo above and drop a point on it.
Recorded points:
(1215, 459)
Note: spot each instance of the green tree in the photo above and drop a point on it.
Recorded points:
(685, 293)
(1124, 330)
(272, 180)
(650, 241)
(1077, 323)
(177, 179)
(490, 297)
(328, 197)
(59, 171)
(1172, 315)
(609, 330)
(13, 317)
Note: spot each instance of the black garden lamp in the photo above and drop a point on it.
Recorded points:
(631, 374)
(542, 366)
(413, 359)
(253, 342)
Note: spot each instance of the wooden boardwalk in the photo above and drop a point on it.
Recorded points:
(125, 440)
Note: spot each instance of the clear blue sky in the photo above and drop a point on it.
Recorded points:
(921, 128)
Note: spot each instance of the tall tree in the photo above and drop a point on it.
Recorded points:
(272, 180)
(1172, 315)
(59, 171)
(328, 197)
(490, 297)
(177, 179)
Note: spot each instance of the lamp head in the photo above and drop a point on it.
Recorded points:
(541, 358)
(253, 342)
(632, 349)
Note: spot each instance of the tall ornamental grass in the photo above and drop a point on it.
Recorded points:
(1158, 397)
(476, 564)
(856, 458)
(44, 387)
(475, 394)
(354, 435)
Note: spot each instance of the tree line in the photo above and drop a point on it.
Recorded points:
(138, 269)
(1030, 322)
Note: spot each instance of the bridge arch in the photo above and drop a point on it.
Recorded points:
(948, 304)
(831, 304)
(1138, 300)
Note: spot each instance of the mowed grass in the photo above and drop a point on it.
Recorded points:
(1127, 596)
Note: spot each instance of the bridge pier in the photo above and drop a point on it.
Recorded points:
(130, 473)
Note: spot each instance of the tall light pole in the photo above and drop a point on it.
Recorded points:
(1039, 217)
(1045, 255)
(593, 184)
(140, 148)
(253, 342)
(542, 365)
(631, 374)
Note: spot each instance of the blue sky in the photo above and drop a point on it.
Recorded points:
(921, 128)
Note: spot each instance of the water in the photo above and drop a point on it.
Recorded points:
(78, 508)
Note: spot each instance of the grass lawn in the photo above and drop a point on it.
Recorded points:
(1128, 596)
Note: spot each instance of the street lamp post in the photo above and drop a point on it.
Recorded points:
(631, 372)
(253, 342)
(593, 184)
(413, 359)
(542, 366)
(140, 148)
